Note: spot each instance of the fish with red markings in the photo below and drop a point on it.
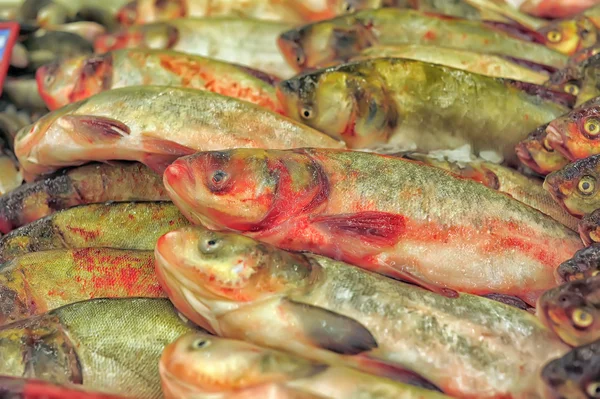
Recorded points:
(27, 388)
(154, 125)
(78, 78)
(397, 217)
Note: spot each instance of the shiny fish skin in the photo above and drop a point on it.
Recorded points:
(589, 228)
(248, 42)
(556, 8)
(154, 125)
(329, 42)
(585, 263)
(484, 64)
(109, 345)
(436, 336)
(27, 388)
(117, 225)
(575, 34)
(582, 80)
(78, 78)
(386, 214)
(535, 153)
(190, 366)
(53, 12)
(407, 104)
(507, 180)
(41, 281)
(88, 184)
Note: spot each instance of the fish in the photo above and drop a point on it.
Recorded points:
(27, 388)
(10, 176)
(55, 12)
(230, 284)
(571, 311)
(248, 42)
(23, 93)
(574, 375)
(199, 364)
(575, 186)
(585, 263)
(78, 78)
(524, 189)
(146, 11)
(397, 217)
(38, 282)
(326, 43)
(480, 63)
(579, 79)
(132, 123)
(589, 228)
(106, 345)
(535, 153)
(573, 35)
(88, 184)
(412, 105)
(556, 8)
(45, 46)
(93, 226)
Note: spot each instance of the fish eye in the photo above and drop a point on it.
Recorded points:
(200, 343)
(306, 113)
(210, 245)
(218, 177)
(593, 389)
(592, 126)
(348, 7)
(587, 185)
(572, 89)
(581, 318)
(48, 79)
(554, 36)
(300, 58)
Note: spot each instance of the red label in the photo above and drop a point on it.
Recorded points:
(9, 32)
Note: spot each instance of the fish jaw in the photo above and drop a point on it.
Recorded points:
(558, 140)
(589, 228)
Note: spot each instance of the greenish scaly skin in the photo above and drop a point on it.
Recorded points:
(408, 104)
(110, 345)
(117, 225)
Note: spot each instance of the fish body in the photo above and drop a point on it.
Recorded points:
(27, 388)
(88, 184)
(525, 189)
(54, 12)
(418, 106)
(337, 40)
(195, 362)
(484, 64)
(575, 375)
(585, 263)
(244, 41)
(556, 8)
(78, 78)
(38, 282)
(397, 217)
(232, 284)
(133, 123)
(107, 345)
(576, 186)
(572, 311)
(10, 176)
(146, 11)
(94, 226)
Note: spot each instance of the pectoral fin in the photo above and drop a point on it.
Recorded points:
(159, 153)
(95, 129)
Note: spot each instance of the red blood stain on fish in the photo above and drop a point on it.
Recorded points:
(430, 35)
(87, 235)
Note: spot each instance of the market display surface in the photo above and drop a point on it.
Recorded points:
(296, 199)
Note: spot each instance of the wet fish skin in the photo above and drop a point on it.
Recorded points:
(55, 12)
(484, 64)
(248, 42)
(556, 8)
(23, 93)
(330, 42)
(130, 124)
(397, 103)
(572, 35)
(574, 375)
(88, 184)
(580, 79)
(195, 362)
(45, 46)
(507, 180)
(27, 388)
(404, 324)
(589, 228)
(78, 343)
(585, 263)
(78, 78)
(535, 153)
(95, 226)
(575, 186)
(38, 282)
(342, 204)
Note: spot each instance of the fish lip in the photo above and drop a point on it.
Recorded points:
(557, 141)
(584, 234)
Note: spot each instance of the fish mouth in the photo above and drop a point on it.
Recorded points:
(556, 140)
(527, 159)
(589, 235)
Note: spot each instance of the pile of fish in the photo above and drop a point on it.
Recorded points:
(301, 199)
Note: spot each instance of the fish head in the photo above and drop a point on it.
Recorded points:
(206, 273)
(324, 43)
(568, 80)
(589, 228)
(144, 11)
(576, 186)
(576, 134)
(570, 36)
(576, 375)
(210, 364)
(39, 347)
(44, 12)
(536, 153)
(585, 263)
(158, 35)
(572, 310)
(74, 79)
(245, 189)
(342, 103)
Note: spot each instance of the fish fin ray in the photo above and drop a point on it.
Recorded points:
(419, 281)
(159, 153)
(96, 128)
